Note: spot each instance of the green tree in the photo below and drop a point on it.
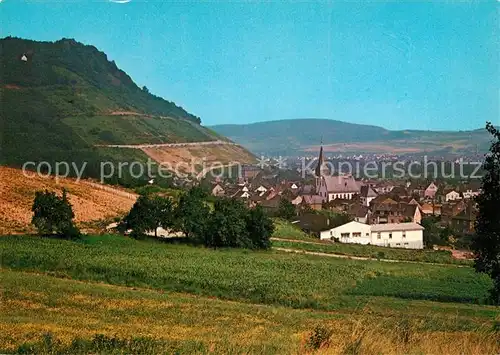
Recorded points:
(52, 213)
(486, 242)
(227, 225)
(259, 228)
(431, 234)
(286, 209)
(192, 214)
(148, 214)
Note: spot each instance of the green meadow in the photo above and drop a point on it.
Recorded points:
(185, 299)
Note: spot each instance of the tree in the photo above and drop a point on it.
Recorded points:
(259, 228)
(227, 225)
(52, 213)
(145, 89)
(192, 214)
(148, 214)
(486, 241)
(286, 209)
(431, 234)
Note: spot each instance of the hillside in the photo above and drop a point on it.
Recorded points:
(301, 135)
(91, 201)
(63, 101)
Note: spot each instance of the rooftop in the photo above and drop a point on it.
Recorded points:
(396, 227)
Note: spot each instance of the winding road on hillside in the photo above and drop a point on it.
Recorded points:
(167, 145)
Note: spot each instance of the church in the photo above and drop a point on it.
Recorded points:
(331, 187)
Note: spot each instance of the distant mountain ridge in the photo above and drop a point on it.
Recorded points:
(296, 136)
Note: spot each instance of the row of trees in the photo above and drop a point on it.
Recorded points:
(228, 224)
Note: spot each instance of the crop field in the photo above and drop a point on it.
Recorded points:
(201, 300)
(375, 252)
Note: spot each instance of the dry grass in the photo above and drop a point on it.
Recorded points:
(36, 304)
(17, 192)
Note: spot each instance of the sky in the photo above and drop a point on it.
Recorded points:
(412, 65)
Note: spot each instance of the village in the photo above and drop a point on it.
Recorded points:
(382, 212)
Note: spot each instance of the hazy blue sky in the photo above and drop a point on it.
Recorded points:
(398, 65)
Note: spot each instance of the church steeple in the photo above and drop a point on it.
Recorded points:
(319, 167)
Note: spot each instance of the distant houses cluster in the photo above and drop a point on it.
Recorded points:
(383, 212)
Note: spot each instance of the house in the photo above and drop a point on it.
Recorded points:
(430, 191)
(389, 211)
(469, 193)
(307, 190)
(471, 190)
(217, 190)
(359, 213)
(412, 213)
(314, 202)
(338, 187)
(451, 209)
(384, 187)
(427, 209)
(451, 195)
(395, 235)
(271, 206)
(24, 58)
(351, 232)
(367, 195)
(261, 189)
(398, 235)
(464, 221)
(400, 192)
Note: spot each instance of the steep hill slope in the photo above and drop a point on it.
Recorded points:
(91, 201)
(300, 135)
(63, 101)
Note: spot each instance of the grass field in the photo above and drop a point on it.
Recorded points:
(265, 302)
(286, 230)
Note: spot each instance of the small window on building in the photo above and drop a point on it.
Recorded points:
(378, 235)
(406, 244)
(345, 235)
(367, 234)
(404, 234)
(356, 234)
(390, 235)
(398, 244)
